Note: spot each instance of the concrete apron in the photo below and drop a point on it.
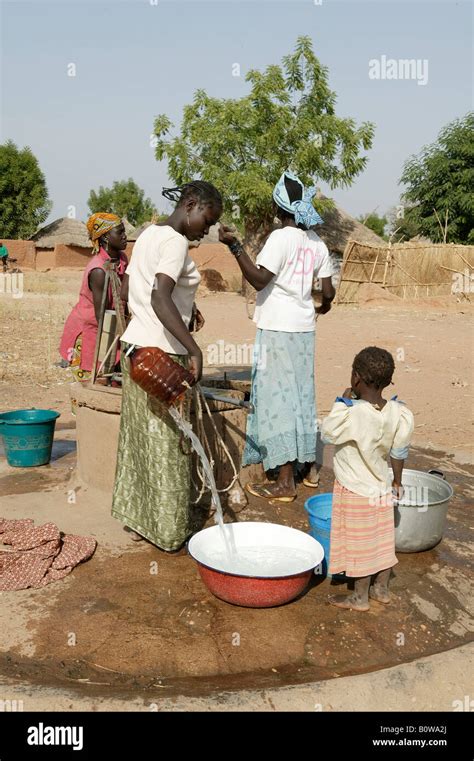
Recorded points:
(136, 627)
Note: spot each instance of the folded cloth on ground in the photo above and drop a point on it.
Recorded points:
(40, 554)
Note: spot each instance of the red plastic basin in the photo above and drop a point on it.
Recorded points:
(256, 589)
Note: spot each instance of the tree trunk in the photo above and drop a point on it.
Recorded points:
(254, 239)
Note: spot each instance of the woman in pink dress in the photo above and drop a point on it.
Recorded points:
(107, 233)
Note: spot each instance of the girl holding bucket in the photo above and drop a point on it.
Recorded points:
(365, 428)
(282, 429)
(153, 477)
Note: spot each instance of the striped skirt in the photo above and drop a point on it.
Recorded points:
(362, 534)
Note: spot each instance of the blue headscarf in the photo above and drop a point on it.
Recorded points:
(304, 211)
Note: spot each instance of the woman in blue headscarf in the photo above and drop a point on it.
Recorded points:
(282, 429)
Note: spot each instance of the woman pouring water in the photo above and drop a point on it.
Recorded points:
(282, 430)
(152, 482)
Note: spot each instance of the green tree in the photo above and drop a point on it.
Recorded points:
(125, 199)
(24, 203)
(440, 184)
(287, 120)
(401, 225)
(375, 223)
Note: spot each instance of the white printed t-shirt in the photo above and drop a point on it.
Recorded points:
(159, 249)
(296, 257)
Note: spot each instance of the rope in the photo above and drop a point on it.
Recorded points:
(117, 301)
(199, 398)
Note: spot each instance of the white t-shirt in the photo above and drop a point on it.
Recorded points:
(296, 257)
(159, 249)
(363, 437)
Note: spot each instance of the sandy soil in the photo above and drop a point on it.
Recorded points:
(432, 345)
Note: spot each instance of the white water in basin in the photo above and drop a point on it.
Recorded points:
(261, 561)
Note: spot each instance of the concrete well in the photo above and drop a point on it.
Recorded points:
(98, 422)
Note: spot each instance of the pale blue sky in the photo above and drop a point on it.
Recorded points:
(135, 60)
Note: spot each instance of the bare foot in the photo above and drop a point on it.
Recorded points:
(380, 595)
(350, 602)
(312, 479)
(273, 491)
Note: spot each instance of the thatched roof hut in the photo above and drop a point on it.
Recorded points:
(339, 227)
(129, 229)
(69, 232)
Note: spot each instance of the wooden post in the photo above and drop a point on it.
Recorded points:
(373, 268)
(112, 279)
(347, 252)
(100, 324)
(117, 301)
(386, 265)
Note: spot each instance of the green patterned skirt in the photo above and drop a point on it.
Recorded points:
(153, 476)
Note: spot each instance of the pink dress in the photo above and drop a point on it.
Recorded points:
(82, 319)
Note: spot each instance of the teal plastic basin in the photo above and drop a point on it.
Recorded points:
(28, 436)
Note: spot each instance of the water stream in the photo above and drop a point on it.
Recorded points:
(186, 428)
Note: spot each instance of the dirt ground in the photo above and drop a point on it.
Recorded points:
(115, 627)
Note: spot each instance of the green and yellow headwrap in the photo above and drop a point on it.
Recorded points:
(99, 224)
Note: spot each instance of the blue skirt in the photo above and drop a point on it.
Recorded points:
(283, 426)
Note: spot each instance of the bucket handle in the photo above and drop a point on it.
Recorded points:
(436, 472)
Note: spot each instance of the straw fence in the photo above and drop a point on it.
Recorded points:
(408, 270)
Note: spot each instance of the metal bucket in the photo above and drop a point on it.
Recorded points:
(420, 516)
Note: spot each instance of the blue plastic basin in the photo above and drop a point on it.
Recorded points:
(319, 509)
(28, 436)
